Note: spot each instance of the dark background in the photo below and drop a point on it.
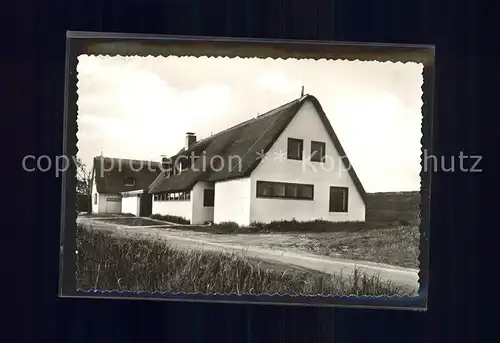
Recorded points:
(33, 55)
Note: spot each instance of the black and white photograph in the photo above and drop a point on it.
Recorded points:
(228, 175)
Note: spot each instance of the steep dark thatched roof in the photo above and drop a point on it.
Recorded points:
(246, 140)
(110, 174)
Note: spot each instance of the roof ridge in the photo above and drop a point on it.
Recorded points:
(241, 124)
(278, 108)
(223, 131)
(124, 159)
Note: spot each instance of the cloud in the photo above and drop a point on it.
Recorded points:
(121, 102)
(277, 82)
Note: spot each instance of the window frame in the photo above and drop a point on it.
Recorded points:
(128, 184)
(287, 185)
(321, 158)
(205, 197)
(345, 200)
(301, 151)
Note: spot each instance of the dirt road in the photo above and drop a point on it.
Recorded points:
(260, 246)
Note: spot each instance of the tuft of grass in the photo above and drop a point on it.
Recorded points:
(282, 226)
(108, 262)
(106, 215)
(131, 221)
(317, 225)
(169, 218)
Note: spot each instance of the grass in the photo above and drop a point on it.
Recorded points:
(108, 262)
(172, 219)
(398, 246)
(392, 209)
(131, 221)
(106, 215)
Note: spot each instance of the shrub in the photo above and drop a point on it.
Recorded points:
(284, 226)
(169, 218)
(128, 215)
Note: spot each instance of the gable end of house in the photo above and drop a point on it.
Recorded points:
(333, 136)
(247, 140)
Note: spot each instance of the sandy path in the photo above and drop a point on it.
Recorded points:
(261, 246)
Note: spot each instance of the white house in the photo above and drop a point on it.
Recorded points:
(285, 164)
(121, 185)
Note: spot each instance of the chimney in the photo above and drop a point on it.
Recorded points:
(166, 164)
(190, 139)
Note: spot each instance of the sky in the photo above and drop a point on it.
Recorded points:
(142, 107)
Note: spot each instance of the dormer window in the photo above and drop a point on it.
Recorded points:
(168, 172)
(183, 166)
(129, 181)
(185, 163)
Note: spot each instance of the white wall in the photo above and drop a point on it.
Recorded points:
(95, 207)
(178, 208)
(308, 126)
(131, 205)
(232, 201)
(106, 206)
(201, 214)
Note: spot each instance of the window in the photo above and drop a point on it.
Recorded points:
(318, 151)
(264, 189)
(208, 197)
(216, 162)
(95, 199)
(172, 196)
(295, 148)
(184, 164)
(279, 189)
(284, 190)
(338, 199)
(129, 181)
(292, 190)
(306, 192)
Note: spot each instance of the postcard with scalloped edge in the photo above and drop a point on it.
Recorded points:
(255, 171)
